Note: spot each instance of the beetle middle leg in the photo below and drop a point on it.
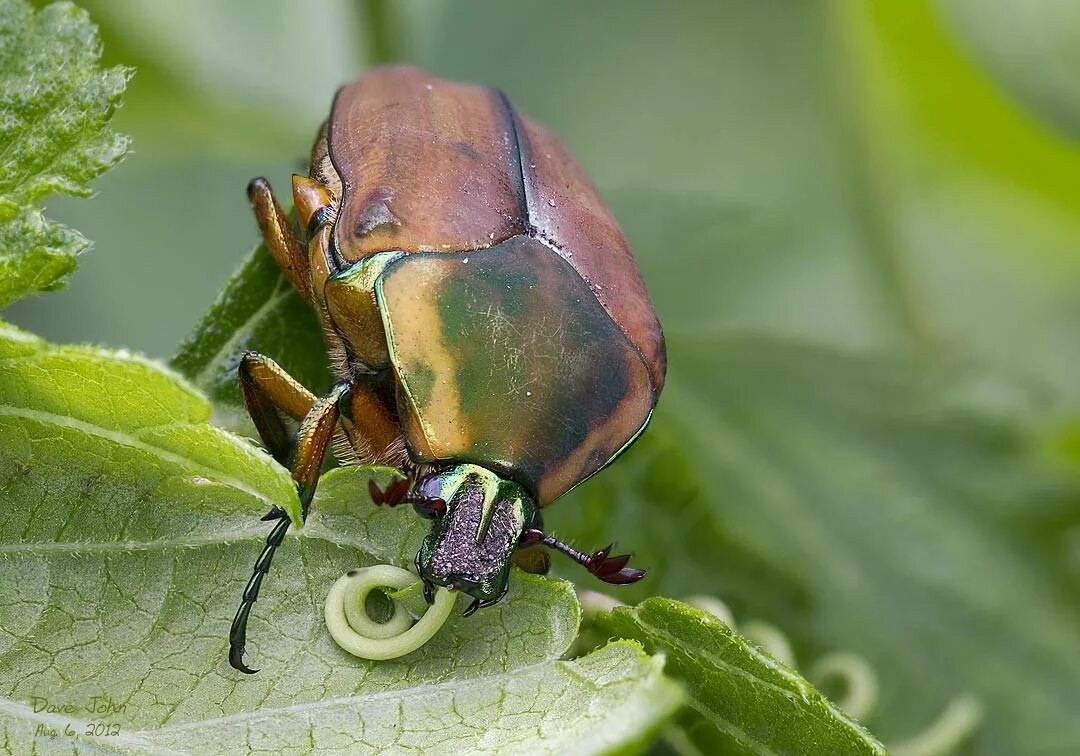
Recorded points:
(312, 440)
(268, 389)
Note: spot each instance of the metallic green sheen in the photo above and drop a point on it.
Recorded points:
(507, 360)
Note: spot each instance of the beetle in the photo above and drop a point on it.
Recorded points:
(487, 325)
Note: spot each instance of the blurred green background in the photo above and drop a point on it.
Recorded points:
(860, 224)
(864, 178)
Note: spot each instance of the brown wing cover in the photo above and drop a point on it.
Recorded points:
(566, 211)
(425, 164)
(430, 165)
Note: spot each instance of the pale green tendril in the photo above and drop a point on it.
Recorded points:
(770, 638)
(948, 731)
(859, 681)
(860, 684)
(355, 631)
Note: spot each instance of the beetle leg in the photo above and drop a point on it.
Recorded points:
(312, 439)
(484, 603)
(268, 389)
(610, 569)
(396, 493)
(429, 587)
(278, 235)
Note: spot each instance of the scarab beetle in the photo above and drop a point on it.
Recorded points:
(486, 322)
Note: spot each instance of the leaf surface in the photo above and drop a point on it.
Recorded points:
(1033, 49)
(130, 531)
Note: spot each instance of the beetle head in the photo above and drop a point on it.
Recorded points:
(474, 535)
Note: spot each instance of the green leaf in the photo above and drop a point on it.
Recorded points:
(84, 431)
(257, 310)
(54, 137)
(130, 531)
(731, 684)
(1032, 48)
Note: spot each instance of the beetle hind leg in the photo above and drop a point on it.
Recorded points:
(312, 440)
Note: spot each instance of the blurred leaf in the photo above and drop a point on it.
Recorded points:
(981, 195)
(1032, 48)
(234, 76)
(918, 528)
(54, 137)
(257, 310)
(731, 684)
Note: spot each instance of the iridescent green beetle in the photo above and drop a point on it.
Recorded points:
(486, 321)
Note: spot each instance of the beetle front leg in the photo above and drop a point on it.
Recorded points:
(610, 569)
(268, 390)
(312, 439)
(278, 235)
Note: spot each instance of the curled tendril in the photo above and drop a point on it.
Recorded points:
(356, 632)
(857, 678)
(950, 729)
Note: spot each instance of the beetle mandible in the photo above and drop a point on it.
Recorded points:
(487, 325)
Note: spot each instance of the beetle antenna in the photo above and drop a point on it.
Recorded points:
(238, 633)
(610, 569)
